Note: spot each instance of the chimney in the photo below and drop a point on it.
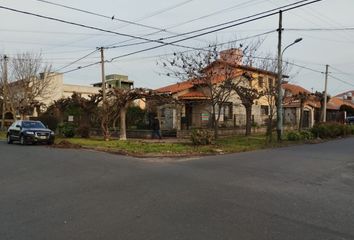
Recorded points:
(232, 55)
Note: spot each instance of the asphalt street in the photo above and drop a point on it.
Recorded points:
(301, 192)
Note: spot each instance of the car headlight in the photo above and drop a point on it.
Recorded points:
(52, 133)
(29, 133)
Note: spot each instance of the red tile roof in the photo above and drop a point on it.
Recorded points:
(335, 103)
(193, 95)
(178, 87)
(345, 93)
(294, 89)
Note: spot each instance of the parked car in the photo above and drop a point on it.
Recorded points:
(25, 132)
(350, 120)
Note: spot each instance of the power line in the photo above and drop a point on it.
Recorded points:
(79, 24)
(340, 71)
(248, 17)
(126, 21)
(159, 41)
(304, 3)
(320, 29)
(192, 20)
(212, 14)
(93, 28)
(343, 81)
(164, 10)
(220, 44)
(216, 30)
(101, 15)
(69, 64)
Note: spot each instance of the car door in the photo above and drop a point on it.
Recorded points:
(16, 130)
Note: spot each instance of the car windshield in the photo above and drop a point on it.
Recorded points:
(32, 125)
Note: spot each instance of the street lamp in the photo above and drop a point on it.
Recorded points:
(279, 90)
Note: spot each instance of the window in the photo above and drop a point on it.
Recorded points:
(270, 83)
(260, 82)
(227, 109)
(264, 110)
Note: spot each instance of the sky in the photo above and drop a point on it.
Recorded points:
(327, 29)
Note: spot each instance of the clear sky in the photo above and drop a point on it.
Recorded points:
(320, 25)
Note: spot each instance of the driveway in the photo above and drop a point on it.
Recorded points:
(300, 192)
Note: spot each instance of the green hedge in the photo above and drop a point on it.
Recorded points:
(296, 136)
(332, 130)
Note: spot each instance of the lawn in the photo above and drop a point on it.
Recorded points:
(158, 148)
(2, 135)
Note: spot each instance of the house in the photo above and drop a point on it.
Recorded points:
(312, 106)
(292, 108)
(195, 111)
(346, 97)
(116, 80)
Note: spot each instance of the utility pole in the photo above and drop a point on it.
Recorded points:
(103, 76)
(4, 90)
(325, 95)
(280, 78)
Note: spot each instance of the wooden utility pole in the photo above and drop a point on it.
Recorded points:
(280, 78)
(325, 95)
(4, 90)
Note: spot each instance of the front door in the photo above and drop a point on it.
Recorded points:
(189, 114)
(306, 120)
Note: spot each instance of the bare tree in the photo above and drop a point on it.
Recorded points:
(208, 75)
(320, 96)
(29, 83)
(117, 103)
(302, 97)
(248, 94)
(270, 91)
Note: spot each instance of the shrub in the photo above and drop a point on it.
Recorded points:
(201, 137)
(293, 136)
(84, 131)
(67, 130)
(306, 135)
(331, 130)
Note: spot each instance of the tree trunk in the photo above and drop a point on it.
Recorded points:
(114, 124)
(321, 112)
(248, 119)
(301, 116)
(215, 124)
(105, 124)
(123, 127)
(270, 128)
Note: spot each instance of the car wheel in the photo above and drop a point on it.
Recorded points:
(22, 140)
(50, 142)
(9, 140)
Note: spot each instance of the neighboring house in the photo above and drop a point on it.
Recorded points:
(55, 89)
(117, 81)
(347, 97)
(312, 107)
(195, 111)
(292, 109)
(120, 81)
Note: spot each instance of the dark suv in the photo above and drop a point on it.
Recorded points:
(350, 120)
(29, 132)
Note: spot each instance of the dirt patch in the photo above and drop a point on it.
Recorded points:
(66, 144)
